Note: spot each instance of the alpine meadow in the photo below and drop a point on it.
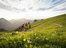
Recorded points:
(44, 33)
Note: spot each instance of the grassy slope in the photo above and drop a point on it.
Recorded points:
(48, 33)
(50, 24)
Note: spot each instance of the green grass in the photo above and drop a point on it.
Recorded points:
(48, 33)
(51, 23)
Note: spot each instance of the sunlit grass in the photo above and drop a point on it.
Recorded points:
(49, 33)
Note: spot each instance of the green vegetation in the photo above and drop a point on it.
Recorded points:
(24, 27)
(48, 33)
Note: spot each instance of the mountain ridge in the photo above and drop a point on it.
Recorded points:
(11, 25)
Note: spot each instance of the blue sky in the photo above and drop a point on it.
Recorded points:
(31, 9)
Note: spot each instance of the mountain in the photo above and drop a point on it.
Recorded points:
(12, 24)
(18, 22)
(57, 23)
(4, 24)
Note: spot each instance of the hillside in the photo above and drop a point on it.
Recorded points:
(45, 33)
(11, 25)
(54, 23)
(5, 24)
(18, 22)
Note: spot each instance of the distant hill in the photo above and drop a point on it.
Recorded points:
(4, 24)
(12, 24)
(17, 23)
(50, 24)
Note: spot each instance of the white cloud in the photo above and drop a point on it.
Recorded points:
(60, 7)
(31, 9)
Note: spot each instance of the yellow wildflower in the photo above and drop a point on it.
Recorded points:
(24, 39)
(17, 32)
